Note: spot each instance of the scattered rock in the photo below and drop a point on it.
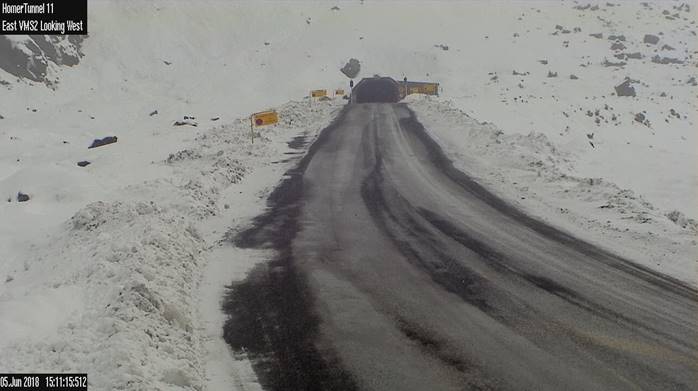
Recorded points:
(692, 81)
(153, 113)
(84, 163)
(681, 220)
(666, 47)
(335, 8)
(21, 197)
(574, 77)
(101, 142)
(617, 46)
(544, 62)
(187, 121)
(552, 74)
(650, 39)
(607, 63)
(616, 37)
(443, 47)
(167, 62)
(215, 118)
(666, 60)
(597, 35)
(352, 68)
(625, 89)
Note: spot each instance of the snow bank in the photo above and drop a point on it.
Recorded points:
(540, 178)
(115, 290)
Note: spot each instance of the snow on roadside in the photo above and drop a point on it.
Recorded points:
(538, 177)
(117, 290)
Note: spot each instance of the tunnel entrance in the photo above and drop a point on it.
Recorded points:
(376, 89)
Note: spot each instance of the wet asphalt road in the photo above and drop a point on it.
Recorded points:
(394, 271)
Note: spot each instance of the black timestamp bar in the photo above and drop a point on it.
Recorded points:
(43, 381)
(56, 17)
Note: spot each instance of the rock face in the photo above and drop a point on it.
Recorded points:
(651, 39)
(352, 68)
(29, 56)
(625, 89)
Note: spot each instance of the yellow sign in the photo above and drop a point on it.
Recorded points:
(339, 92)
(318, 93)
(264, 118)
(418, 87)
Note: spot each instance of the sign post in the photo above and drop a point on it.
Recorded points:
(262, 118)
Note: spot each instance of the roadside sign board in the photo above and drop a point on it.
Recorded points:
(265, 118)
(417, 87)
(339, 92)
(318, 93)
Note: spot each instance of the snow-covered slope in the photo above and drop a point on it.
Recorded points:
(89, 237)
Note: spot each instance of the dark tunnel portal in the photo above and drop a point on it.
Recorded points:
(383, 89)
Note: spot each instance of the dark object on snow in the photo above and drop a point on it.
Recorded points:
(651, 39)
(101, 142)
(666, 60)
(1, 117)
(21, 197)
(552, 74)
(616, 37)
(544, 62)
(352, 68)
(441, 46)
(153, 113)
(186, 122)
(83, 163)
(573, 77)
(617, 46)
(215, 118)
(639, 117)
(335, 8)
(625, 89)
(597, 35)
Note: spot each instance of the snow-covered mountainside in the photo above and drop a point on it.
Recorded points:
(121, 260)
(30, 56)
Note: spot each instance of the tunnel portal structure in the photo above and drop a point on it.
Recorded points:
(387, 90)
(376, 89)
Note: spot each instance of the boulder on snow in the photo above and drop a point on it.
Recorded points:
(651, 39)
(616, 37)
(83, 163)
(104, 141)
(597, 35)
(617, 46)
(573, 77)
(666, 60)
(552, 74)
(352, 68)
(21, 197)
(625, 89)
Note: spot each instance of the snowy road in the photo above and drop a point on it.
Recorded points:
(397, 272)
